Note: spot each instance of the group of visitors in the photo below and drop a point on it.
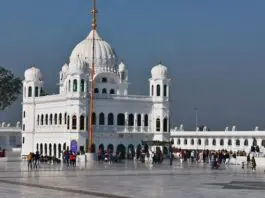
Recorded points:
(33, 160)
(69, 158)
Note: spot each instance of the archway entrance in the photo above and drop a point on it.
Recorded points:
(110, 148)
(101, 148)
(165, 150)
(121, 151)
(131, 152)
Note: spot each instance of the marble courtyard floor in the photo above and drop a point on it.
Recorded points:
(129, 179)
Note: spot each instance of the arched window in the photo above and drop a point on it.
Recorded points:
(96, 90)
(165, 90)
(157, 90)
(120, 119)
(82, 85)
(178, 142)
(152, 90)
(112, 91)
(46, 119)
(74, 122)
(45, 149)
(131, 120)
(68, 122)
(199, 142)
(192, 141)
(206, 142)
(94, 118)
(145, 120)
(23, 140)
(157, 124)
(36, 91)
(30, 91)
(104, 80)
(75, 85)
(222, 142)
(139, 120)
(50, 122)
(60, 118)
(165, 125)
(246, 142)
(237, 142)
(110, 119)
(50, 150)
(38, 119)
(229, 142)
(82, 122)
(69, 85)
(104, 91)
(185, 141)
(65, 118)
(41, 119)
(101, 119)
(55, 118)
(214, 142)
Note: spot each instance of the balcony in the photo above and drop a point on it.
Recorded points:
(121, 129)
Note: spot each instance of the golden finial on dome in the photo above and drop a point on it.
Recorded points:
(94, 14)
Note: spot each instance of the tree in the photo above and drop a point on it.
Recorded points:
(10, 88)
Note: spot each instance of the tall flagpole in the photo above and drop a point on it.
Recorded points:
(91, 109)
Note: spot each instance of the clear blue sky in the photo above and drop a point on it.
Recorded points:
(214, 50)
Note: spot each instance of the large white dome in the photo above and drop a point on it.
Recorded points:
(33, 74)
(105, 58)
(159, 72)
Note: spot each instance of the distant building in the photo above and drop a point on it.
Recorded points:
(10, 136)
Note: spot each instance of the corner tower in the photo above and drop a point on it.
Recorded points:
(159, 91)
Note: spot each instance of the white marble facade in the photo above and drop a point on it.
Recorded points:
(51, 122)
(231, 140)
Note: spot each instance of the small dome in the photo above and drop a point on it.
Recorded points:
(105, 58)
(122, 67)
(33, 74)
(77, 66)
(65, 68)
(159, 72)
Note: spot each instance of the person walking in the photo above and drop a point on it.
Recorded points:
(29, 159)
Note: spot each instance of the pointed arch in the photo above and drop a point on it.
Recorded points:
(101, 119)
(246, 142)
(131, 120)
(104, 91)
(82, 122)
(45, 149)
(38, 119)
(51, 118)
(229, 142)
(65, 118)
(41, 119)
(214, 142)
(82, 85)
(29, 91)
(139, 120)
(199, 142)
(68, 122)
(55, 119)
(145, 120)
(165, 90)
(75, 85)
(60, 118)
(120, 119)
(112, 91)
(74, 122)
(157, 90)
(165, 125)
(69, 85)
(96, 91)
(110, 119)
(41, 149)
(36, 91)
(152, 90)
(222, 142)
(157, 124)
(46, 119)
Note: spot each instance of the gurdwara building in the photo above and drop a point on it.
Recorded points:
(53, 123)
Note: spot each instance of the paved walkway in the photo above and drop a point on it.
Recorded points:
(129, 179)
